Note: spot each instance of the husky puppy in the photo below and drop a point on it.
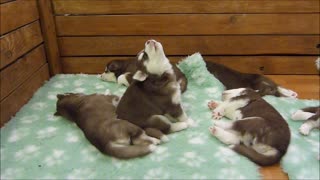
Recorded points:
(153, 99)
(311, 116)
(121, 71)
(233, 79)
(258, 131)
(95, 116)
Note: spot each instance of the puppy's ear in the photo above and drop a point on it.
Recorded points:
(140, 76)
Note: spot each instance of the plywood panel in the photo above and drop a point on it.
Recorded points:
(18, 42)
(17, 14)
(249, 64)
(180, 6)
(12, 76)
(11, 104)
(185, 45)
(188, 24)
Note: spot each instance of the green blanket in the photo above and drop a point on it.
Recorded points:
(36, 144)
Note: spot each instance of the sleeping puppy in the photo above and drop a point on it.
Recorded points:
(153, 99)
(258, 131)
(121, 71)
(233, 79)
(95, 116)
(311, 116)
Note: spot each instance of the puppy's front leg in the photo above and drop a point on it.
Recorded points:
(177, 113)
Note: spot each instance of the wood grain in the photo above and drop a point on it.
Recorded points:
(5, 1)
(249, 64)
(12, 76)
(18, 42)
(180, 6)
(9, 20)
(50, 37)
(186, 45)
(11, 104)
(188, 24)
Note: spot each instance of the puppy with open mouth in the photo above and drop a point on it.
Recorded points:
(153, 99)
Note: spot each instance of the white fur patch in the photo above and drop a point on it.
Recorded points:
(224, 136)
(287, 92)
(140, 76)
(152, 147)
(176, 97)
(122, 79)
(308, 126)
(109, 76)
(178, 126)
(228, 94)
(301, 115)
(265, 149)
(223, 124)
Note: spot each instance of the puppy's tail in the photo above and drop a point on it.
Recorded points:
(256, 157)
(128, 151)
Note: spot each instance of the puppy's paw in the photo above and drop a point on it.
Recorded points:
(164, 138)
(213, 130)
(152, 147)
(155, 140)
(212, 105)
(217, 114)
(178, 126)
(190, 122)
(304, 129)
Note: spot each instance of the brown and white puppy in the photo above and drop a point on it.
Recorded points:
(233, 79)
(121, 71)
(153, 99)
(258, 131)
(311, 116)
(95, 116)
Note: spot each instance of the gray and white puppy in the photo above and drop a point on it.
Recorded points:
(233, 79)
(95, 116)
(258, 131)
(153, 99)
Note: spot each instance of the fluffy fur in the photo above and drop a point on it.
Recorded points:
(121, 71)
(311, 116)
(153, 99)
(233, 79)
(95, 116)
(258, 131)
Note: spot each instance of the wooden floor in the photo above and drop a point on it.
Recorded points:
(307, 87)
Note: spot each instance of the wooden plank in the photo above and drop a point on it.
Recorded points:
(17, 43)
(180, 6)
(184, 45)
(9, 20)
(11, 104)
(12, 76)
(188, 24)
(50, 36)
(249, 64)
(5, 1)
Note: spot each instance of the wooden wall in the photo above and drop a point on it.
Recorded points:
(261, 36)
(23, 62)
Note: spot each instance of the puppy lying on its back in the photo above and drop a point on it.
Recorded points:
(121, 71)
(259, 132)
(95, 116)
(153, 99)
(233, 79)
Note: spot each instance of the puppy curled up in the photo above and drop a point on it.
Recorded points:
(95, 115)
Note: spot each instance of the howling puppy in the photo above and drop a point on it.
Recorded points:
(233, 79)
(153, 99)
(95, 116)
(311, 116)
(258, 131)
(121, 71)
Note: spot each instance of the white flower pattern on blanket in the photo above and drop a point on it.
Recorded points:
(55, 148)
